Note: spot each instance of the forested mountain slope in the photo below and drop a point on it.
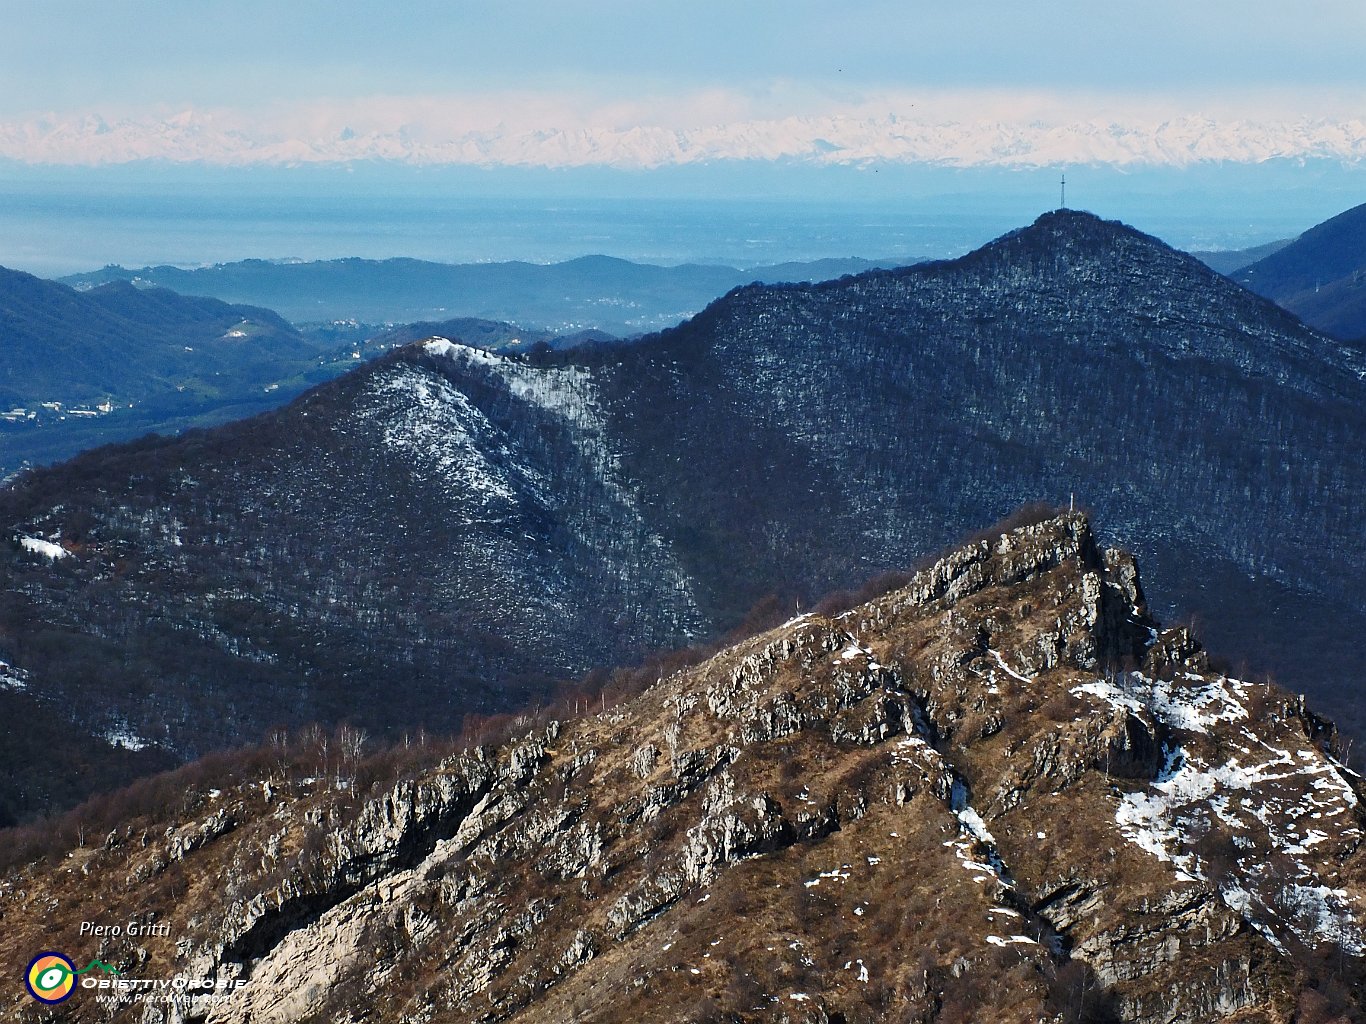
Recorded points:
(127, 344)
(79, 369)
(1320, 277)
(448, 530)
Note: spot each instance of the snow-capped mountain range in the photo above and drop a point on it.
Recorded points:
(230, 139)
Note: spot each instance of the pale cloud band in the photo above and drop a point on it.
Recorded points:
(529, 129)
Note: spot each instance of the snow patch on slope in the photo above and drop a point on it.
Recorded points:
(123, 736)
(1285, 805)
(975, 838)
(38, 546)
(975, 846)
(1191, 702)
(1000, 660)
(12, 678)
(570, 396)
(445, 437)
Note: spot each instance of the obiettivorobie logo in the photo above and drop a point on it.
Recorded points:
(51, 976)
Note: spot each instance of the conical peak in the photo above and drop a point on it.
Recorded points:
(1072, 227)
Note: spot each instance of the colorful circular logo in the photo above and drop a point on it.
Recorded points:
(51, 977)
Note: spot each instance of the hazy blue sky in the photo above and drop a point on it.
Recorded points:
(633, 83)
(69, 56)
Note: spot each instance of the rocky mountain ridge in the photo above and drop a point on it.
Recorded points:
(1000, 792)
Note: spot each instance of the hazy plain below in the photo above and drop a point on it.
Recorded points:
(55, 222)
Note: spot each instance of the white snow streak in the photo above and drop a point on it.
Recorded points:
(1262, 794)
(46, 548)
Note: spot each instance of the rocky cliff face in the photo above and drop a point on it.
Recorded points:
(461, 527)
(1002, 792)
